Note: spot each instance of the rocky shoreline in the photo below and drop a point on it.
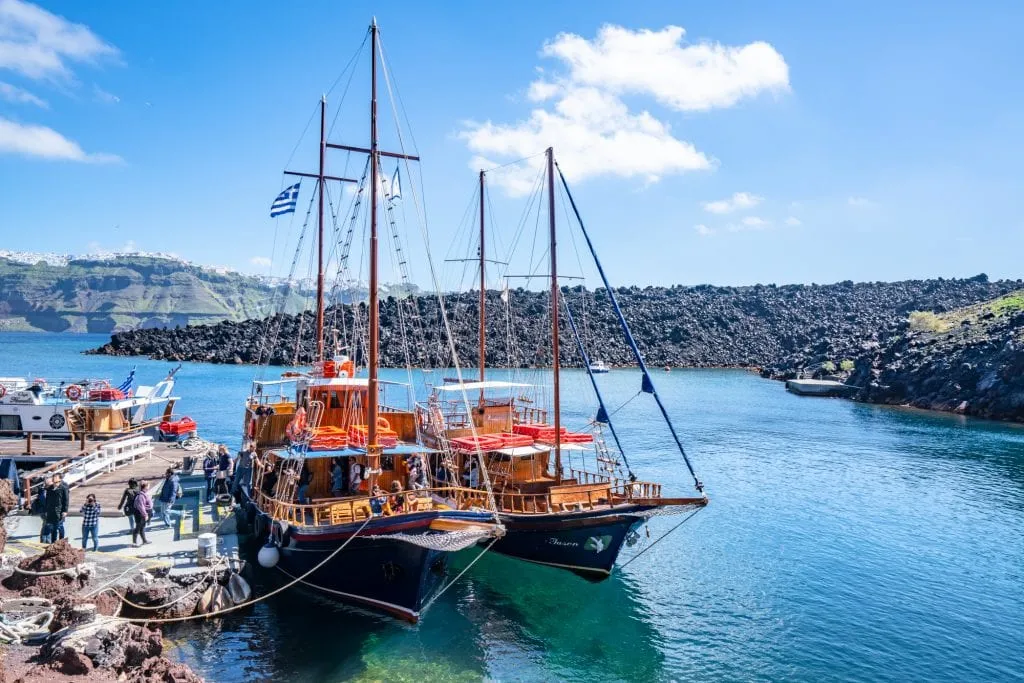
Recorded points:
(763, 326)
(780, 331)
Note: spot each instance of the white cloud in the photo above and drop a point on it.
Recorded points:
(861, 203)
(45, 143)
(696, 77)
(793, 221)
(595, 135)
(12, 93)
(594, 132)
(260, 261)
(103, 96)
(703, 230)
(739, 200)
(38, 44)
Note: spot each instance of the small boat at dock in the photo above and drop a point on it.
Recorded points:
(67, 407)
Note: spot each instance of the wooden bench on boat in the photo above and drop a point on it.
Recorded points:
(579, 496)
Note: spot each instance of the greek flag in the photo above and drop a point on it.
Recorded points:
(285, 202)
(126, 385)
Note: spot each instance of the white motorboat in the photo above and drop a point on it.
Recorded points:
(70, 406)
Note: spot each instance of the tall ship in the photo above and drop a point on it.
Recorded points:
(566, 499)
(72, 406)
(339, 490)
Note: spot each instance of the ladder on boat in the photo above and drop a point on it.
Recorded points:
(291, 471)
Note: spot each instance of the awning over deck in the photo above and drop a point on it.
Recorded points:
(400, 449)
(521, 451)
(477, 386)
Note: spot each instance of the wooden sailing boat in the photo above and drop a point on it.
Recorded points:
(388, 552)
(575, 518)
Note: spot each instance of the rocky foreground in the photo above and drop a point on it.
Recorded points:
(96, 632)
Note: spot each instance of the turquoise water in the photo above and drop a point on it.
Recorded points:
(843, 542)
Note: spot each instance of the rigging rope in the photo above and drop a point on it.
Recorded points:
(648, 385)
(661, 538)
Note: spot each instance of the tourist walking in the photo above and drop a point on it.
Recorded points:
(210, 472)
(55, 511)
(141, 513)
(127, 504)
(91, 522)
(169, 492)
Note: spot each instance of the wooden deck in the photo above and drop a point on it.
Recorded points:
(107, 486)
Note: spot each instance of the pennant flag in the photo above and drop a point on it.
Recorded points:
(126, 385)
(285, 202)
(396, 186)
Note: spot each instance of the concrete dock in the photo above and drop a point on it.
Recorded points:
(817, 387)
(173, 546)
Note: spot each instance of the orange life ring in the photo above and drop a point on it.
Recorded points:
(383, 423)
(296, 429)
(252, 428)
(73, 392)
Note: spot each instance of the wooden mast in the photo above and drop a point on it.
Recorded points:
(320, 235)
(372, 409)
(556, 403)
(483, 291)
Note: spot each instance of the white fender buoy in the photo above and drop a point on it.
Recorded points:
(268, 556)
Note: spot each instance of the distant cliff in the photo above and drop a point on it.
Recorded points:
(763, 326)
(123, 292)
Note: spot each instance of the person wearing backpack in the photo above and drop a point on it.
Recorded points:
(142, 512)
(127, 504)
(169, 492)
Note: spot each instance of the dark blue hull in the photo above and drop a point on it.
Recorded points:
(372, 571)
(585, 543)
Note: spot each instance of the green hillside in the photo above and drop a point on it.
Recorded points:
(126, 292)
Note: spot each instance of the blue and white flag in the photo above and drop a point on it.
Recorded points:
(126, 385)
(285, 202)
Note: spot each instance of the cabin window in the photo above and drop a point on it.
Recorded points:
(387, 463)
(10, 423)
(335, 400)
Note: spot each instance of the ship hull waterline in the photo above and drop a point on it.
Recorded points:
(373, 571)
(585, 543)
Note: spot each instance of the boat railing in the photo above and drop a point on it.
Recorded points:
(529, 415)
(621, 487)
(348, 509)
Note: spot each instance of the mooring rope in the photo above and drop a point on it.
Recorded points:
(169, 620)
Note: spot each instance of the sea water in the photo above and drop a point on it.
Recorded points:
(842, 542)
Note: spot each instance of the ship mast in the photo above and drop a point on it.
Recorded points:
(483, 291)
(373, 449)
(556, 404)
(320, 235)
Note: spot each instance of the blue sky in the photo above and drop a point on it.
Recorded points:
(816, 142)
